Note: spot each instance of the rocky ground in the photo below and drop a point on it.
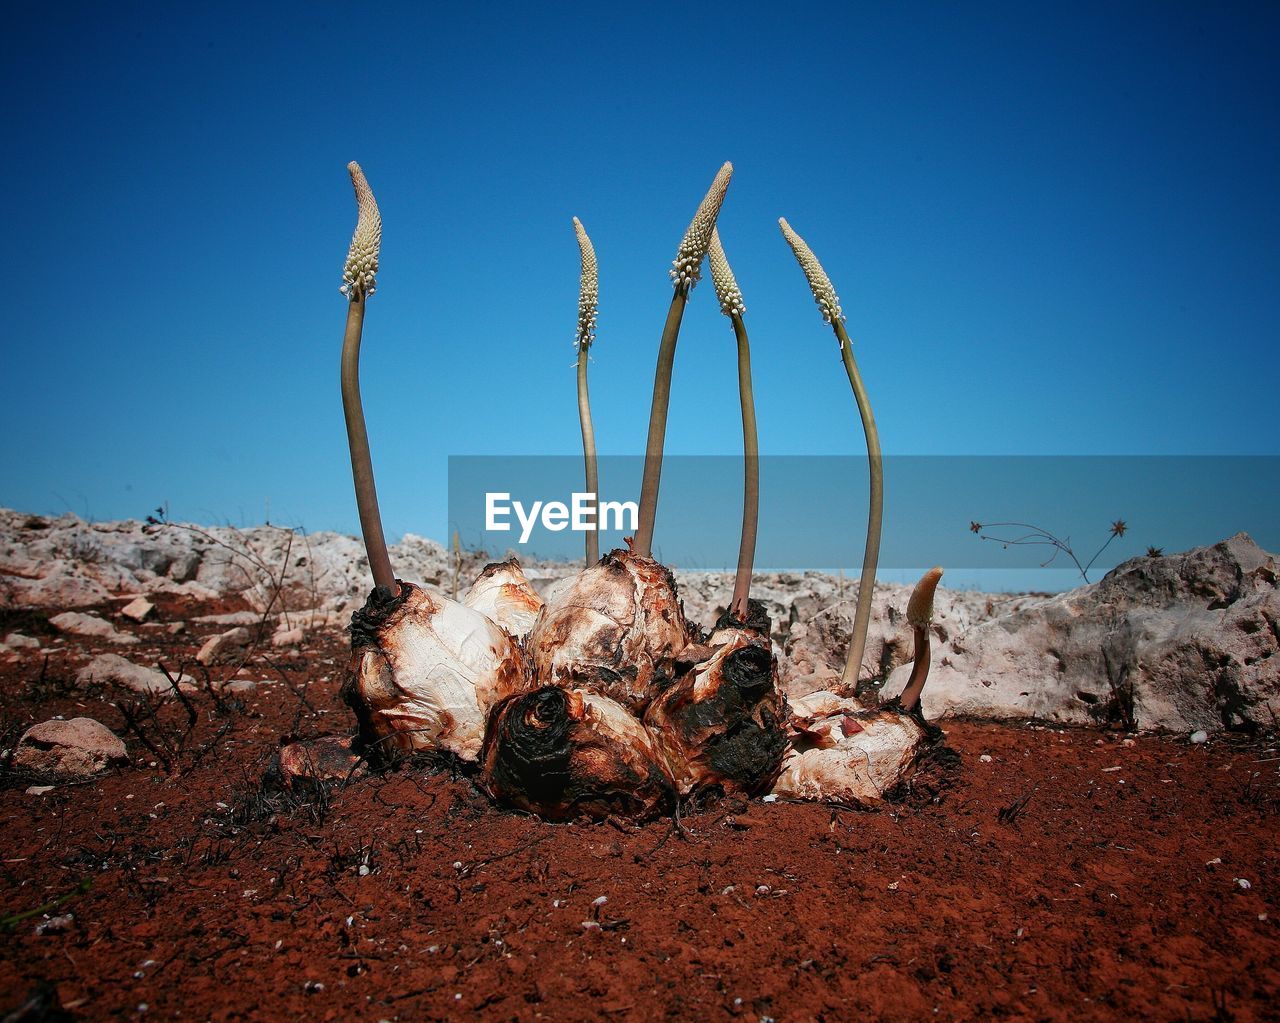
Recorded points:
(153, 865)
(1179, 643)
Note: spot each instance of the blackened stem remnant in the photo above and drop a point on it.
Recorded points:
(875, 513)
(358, 441)
(750, 477)
(643, 544)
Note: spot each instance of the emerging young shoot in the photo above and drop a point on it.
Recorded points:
(731, 305)
(919, 616)
(588, 304)
(685, 273)
(359, 282)
(829, 304)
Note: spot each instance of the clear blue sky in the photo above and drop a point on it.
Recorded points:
(1053, 231)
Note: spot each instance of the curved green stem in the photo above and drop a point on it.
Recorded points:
(358, 440)
(875, 512)
(589, 455)
(750, 475)
(643, 543)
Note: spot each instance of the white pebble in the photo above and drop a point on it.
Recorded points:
(1243, 883)
(985, 758)
(1199, 736)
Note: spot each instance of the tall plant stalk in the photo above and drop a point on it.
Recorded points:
(359, 282)
(829, 305)
(685, 273)
(731, 304)
(588, 306)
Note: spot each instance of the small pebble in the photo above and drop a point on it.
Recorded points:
(1243, 884)
(55, 924)
(985, 758)
(1199, 736)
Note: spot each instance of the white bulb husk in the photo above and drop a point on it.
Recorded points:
(860, 767)
(437, 669)
(505, 596)
(619, 614)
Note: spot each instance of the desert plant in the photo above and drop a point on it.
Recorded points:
(919, 617)
(359, 282)
(731, 304)
(686, 271)
(829, 304)
(1037, 536)
(588, 304)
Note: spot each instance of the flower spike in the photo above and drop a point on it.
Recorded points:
(920, 606)
(919, 616)
(686, 268)
(823, 291)
(685, 273)
(727, 290)
(588, 289)
(360, 271)
(362, 265)
(829, 304)
(588, 302)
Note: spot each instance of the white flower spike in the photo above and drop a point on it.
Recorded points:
(823, 291)
(727, 290)
(588, 290)
(686, 268)
(359, 274)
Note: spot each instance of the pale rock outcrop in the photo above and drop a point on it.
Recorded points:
(226, 647)
(1176, 643)
(138, 609)
(112, 669)
(288, 637)
(79, 624)
(68, 750)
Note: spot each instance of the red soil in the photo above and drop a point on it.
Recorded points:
(409, 897)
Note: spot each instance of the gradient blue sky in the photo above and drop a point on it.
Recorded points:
(1053, 231)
